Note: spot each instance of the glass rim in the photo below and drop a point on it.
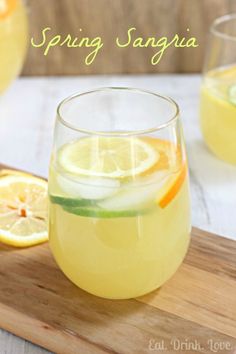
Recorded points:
(168, 123)
(220, 20)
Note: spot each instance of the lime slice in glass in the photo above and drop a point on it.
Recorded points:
(101, 213)
(70, 202)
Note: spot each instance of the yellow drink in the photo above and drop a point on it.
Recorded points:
(218, 112)
(13, 40)
(120, 238)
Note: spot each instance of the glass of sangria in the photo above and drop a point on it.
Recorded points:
(119, 218)
(218, 92)
(13, 40)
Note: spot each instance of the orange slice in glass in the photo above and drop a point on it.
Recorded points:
(174, 187)
(170, 160)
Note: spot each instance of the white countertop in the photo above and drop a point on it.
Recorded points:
(27, 114)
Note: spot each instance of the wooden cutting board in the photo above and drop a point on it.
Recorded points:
(194, 312)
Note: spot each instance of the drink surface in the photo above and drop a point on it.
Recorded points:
(218, 112)
(13, 40)
(119, 214)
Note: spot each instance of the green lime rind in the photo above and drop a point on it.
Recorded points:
(71, 202)
(101, 213)
(232, 94)
(88, 208)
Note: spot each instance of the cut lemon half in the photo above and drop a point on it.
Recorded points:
(109, 157)
(23, 210)
(7, 7)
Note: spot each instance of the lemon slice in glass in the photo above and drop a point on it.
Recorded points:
(23, 210)
(109, 157)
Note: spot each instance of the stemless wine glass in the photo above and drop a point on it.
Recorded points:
(218, 93)
(13, 40)
(119, 220)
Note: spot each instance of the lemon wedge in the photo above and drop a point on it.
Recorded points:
(23, 210)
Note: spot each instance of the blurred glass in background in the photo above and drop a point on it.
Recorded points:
(13, 40)
(218, 93)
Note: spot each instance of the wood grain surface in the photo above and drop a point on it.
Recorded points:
(198, 304)
(110, 19)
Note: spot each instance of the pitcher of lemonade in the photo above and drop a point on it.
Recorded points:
(119, 218)
(218, 92)
(13, 40)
